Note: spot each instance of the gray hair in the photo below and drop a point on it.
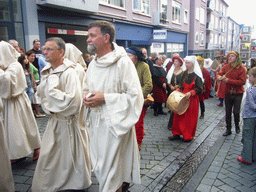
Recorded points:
(11, 41)
(59, 42)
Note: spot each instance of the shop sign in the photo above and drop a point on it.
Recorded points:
(67, 32)
(160, 34)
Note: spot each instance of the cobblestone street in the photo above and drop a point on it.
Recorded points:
(207, 163)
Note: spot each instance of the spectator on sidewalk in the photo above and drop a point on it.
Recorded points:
(112, 109)
(41, 61)
(35, 75)
(23, 60)
(19, 121)
(64, 163)
(15, 44)
(249, 117)
(37, 51)
(191, 85)
(144, 74)
(234, 75)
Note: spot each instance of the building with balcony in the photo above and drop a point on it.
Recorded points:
(233, 36)
(137, 22)
(208, 28)
(245, 46)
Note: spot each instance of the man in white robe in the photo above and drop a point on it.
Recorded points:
(64, 162)
(112, 110)
(19, 121)
(6, 179)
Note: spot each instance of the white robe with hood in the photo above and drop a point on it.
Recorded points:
(6, 179)
(114, 150)
(64, 161)
(19, 121)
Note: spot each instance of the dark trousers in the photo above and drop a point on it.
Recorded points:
(202, 107)
(233, 102)
(170, 120)
(158, 107)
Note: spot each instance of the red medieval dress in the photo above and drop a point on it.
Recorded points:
(207, 85)
(186, 123)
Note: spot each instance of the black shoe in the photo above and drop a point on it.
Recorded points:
(227, 133)
(155, 113)
(187, 141)
(162, 113)
(237, 129)
(174, 137)
(202, 116)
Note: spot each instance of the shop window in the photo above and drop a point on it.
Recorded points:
(119, 3)
(176, 7)
(141, 6)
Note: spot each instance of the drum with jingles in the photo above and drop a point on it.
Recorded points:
(177, 102)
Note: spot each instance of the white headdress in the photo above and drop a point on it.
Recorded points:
(8, 54)
(208, 63)
(197, 69)
(74, 54)
(170, 72)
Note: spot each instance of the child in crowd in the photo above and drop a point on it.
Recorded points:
(249, 116)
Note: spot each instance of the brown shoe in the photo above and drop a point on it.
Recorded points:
(174, 137)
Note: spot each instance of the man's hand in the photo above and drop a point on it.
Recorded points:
(225, 80)
(188, 94)
(96, 99)
(164, 85)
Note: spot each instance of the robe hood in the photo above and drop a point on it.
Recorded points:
(74, 54)
(8, 54)
(66, 64)
(110, 58)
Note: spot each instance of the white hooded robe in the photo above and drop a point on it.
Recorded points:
(114, 150)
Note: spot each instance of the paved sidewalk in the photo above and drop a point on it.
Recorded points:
(162, 160)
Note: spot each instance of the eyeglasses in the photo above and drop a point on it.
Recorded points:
(49, 49)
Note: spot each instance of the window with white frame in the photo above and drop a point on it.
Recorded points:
(216, 39)
(185, 16)
(163, 10)
(244, 48)
(141, 6)
(202, 38)
(245, 38)
(196, 37)
(245, 29)
(216, 22)
(119, 3)
(202, 15)
(217, 5)
(176, 8)
(197, 13)
(243, 55)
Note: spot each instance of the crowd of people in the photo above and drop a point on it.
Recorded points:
(97, 107)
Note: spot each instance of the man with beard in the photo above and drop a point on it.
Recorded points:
(113, 100)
